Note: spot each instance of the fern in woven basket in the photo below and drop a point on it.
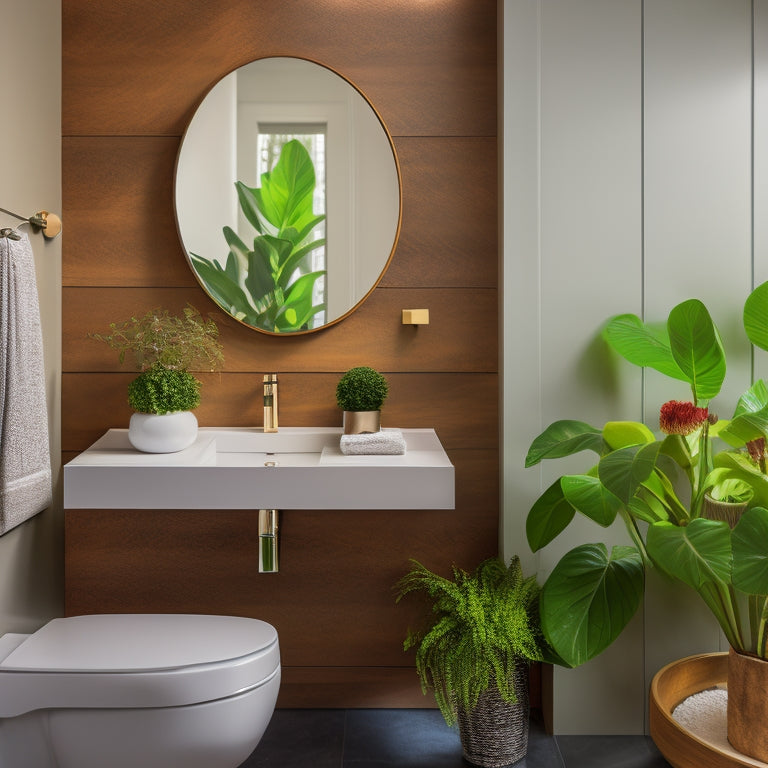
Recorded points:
(484, 624)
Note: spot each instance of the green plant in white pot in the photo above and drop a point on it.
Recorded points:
(360, 393)
(475, 651)
(165, 348)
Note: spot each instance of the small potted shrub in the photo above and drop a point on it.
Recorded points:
(475, 652)
(165, 347)
(360, 394)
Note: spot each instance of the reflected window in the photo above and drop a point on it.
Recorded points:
(270, 139)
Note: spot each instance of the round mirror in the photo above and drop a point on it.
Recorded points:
(287, 195)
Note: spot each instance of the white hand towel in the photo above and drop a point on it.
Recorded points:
(25, 464)
(382, 443)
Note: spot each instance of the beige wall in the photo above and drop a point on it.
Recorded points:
(630, 184)
(30, 144)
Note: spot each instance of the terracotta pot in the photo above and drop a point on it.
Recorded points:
(748, 704)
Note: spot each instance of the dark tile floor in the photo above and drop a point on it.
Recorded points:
(419, 738)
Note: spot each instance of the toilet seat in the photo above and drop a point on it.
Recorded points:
(135, 660)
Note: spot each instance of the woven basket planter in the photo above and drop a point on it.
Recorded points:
(495, 733)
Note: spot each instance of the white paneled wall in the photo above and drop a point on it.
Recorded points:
(629, 180)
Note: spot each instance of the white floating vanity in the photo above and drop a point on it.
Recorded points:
(245, 468)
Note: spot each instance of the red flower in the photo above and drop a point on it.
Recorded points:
(680, 418)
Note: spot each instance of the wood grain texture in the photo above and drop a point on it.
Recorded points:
(133, 73)
(449, 234)
(673, 684)
(338, 570)
(142, 67)
(306, 400)
(118, 205)
(462, 334)
(121, 225)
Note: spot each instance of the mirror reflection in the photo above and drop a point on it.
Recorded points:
(287, 195)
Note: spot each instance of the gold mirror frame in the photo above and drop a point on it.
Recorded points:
(396, 235)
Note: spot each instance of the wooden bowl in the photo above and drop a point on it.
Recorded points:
(670, 686)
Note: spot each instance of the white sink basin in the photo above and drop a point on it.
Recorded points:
(244, 468)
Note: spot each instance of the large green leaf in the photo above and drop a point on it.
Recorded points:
(623, 471)
(285, 196)
(620, 434)
(249, 205)
(697, 553)
(562, 438)
(756, 316)
(589, 598)
(548, 517)
(741, 468)
(237, 248)
(749, 541)
(222, 289)
(297, 308)
(697, 348)
(642, 344)
(590, 497)
(750, 419)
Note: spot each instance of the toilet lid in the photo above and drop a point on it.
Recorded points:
(138, 660)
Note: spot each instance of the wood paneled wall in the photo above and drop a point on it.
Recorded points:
(133, 73)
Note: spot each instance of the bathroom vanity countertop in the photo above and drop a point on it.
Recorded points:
(243, 468)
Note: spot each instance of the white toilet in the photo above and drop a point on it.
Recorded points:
(137, 691)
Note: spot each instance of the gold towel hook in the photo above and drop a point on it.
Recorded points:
(50, 223)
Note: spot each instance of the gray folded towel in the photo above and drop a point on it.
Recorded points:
(384, 442)
(25, 464)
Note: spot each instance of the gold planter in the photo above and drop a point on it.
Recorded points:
(748, 704)
(359, 422)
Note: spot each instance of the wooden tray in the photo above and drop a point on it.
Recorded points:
(670, 686)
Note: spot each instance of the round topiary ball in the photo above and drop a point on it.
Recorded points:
(361, 389)
(164, 390)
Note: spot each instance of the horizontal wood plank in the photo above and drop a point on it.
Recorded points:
(449, 233)
(96, 402)
(352, 687)
(462, 334)
(121, 226)
(141, 67)
(337, 570)
(118, 208)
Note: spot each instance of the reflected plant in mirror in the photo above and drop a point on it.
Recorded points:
(235, 136)
(272, 286)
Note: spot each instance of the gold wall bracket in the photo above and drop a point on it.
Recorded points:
(415, 317)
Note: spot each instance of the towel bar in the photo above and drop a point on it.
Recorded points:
(50, 223)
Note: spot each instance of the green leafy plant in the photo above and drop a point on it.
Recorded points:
(164, 390)
(267, 286)
(164, 348)
(179, 342)
(658, 488)
(361, 389)
(484, 624)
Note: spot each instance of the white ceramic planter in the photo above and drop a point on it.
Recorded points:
(162, 433)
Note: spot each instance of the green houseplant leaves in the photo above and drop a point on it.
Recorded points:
(588, 599)
(657, 488)
(267, 286)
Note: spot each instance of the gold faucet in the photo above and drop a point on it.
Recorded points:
(270, 402)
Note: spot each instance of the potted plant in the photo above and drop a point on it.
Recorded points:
(475, 651)
(165, 347)
(270, 286)
(360, 393)
(660, 488)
